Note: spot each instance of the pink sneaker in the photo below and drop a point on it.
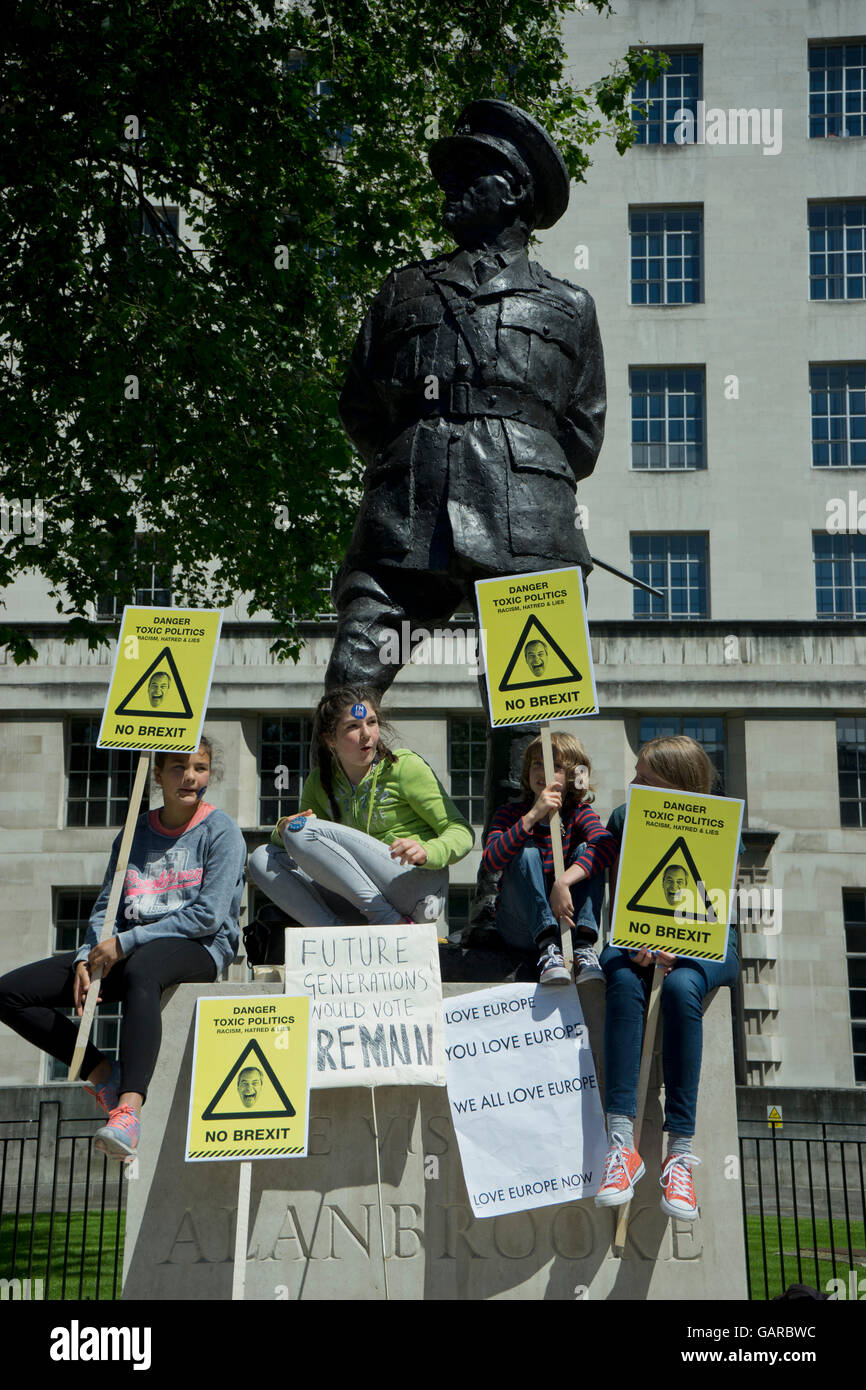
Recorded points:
(119, 1138)
(107, 1095)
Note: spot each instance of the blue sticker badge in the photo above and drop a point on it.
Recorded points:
(359, 711)
(297, 824)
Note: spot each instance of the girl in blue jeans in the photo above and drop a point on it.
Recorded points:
(679, 764)
(532, 901)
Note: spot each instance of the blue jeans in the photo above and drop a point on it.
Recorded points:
(683, 994)
(523, 911)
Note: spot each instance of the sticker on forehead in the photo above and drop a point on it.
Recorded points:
(359, 711)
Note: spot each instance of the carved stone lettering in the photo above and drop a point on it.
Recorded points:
(361, 1241)
(571, 1233)
(414, 1242)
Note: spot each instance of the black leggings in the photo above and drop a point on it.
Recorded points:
(31, 996)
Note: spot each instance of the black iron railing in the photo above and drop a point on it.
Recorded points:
(804, 1208)
(61, 1210)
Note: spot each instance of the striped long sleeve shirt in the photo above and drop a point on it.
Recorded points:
(507, 837)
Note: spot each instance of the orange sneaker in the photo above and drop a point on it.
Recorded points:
(679, 1198)
(623, 1167)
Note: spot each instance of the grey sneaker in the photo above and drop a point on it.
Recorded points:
(586, 965)
(552, 969)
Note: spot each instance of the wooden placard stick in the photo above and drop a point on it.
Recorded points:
(242, 1229)
(108, 921)
(649, 1042)
(556, 841)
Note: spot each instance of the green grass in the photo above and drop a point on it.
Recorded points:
(82, 1257)
(804, 1237)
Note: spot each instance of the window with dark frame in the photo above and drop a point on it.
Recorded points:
(666, 255)
(837, 250)
(657, 106)
(467, 755)
(676, 563)
(667, 418)
(284, 763)
(840, 575)
(98, 780)
(838, 401)
(156, 590)
(851, 763)
(837, 90)
(854, 913)
(459, 907)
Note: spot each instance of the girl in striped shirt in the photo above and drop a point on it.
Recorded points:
(532, 901)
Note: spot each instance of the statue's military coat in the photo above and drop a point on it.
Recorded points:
(493, 433)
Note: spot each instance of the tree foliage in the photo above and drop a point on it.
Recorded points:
(186, 385)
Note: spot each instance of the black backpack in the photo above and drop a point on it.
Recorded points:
(264, 936)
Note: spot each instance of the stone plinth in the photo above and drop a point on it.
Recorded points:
(314, 1222)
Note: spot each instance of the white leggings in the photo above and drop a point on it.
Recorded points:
(330, 875)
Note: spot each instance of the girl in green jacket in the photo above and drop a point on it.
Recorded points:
(377, 834)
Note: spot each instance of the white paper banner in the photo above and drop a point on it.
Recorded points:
(524, 1097)
(376, 1011)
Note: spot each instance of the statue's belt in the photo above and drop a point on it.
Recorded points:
(460, 400)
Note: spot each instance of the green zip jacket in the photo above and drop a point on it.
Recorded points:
(395, 801)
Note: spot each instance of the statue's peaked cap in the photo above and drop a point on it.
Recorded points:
(519, 141)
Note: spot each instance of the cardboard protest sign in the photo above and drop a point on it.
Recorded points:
(677, 872)
(524, 1098)
(161, 679)
(249, 1095)
(376, 1004)
(537, 660)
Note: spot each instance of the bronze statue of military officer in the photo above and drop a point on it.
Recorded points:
(476, 396)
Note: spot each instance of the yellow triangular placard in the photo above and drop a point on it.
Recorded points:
(669, 884)
(260, 1097)
(537, 660)
(167, 695)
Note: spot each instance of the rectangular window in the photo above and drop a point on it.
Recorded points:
(154, 590)
(163, 223)
(676, 564)
(99, 780)
(840, 575)
(72, 909)
(707, 730)
(467, 755)
(851, 759)
(837, 250)
(657, 106)
(838, 415)
(667, 418)
(284, 762)
(854, 912)
(666, 255)
(459, 905)
(837, 89)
